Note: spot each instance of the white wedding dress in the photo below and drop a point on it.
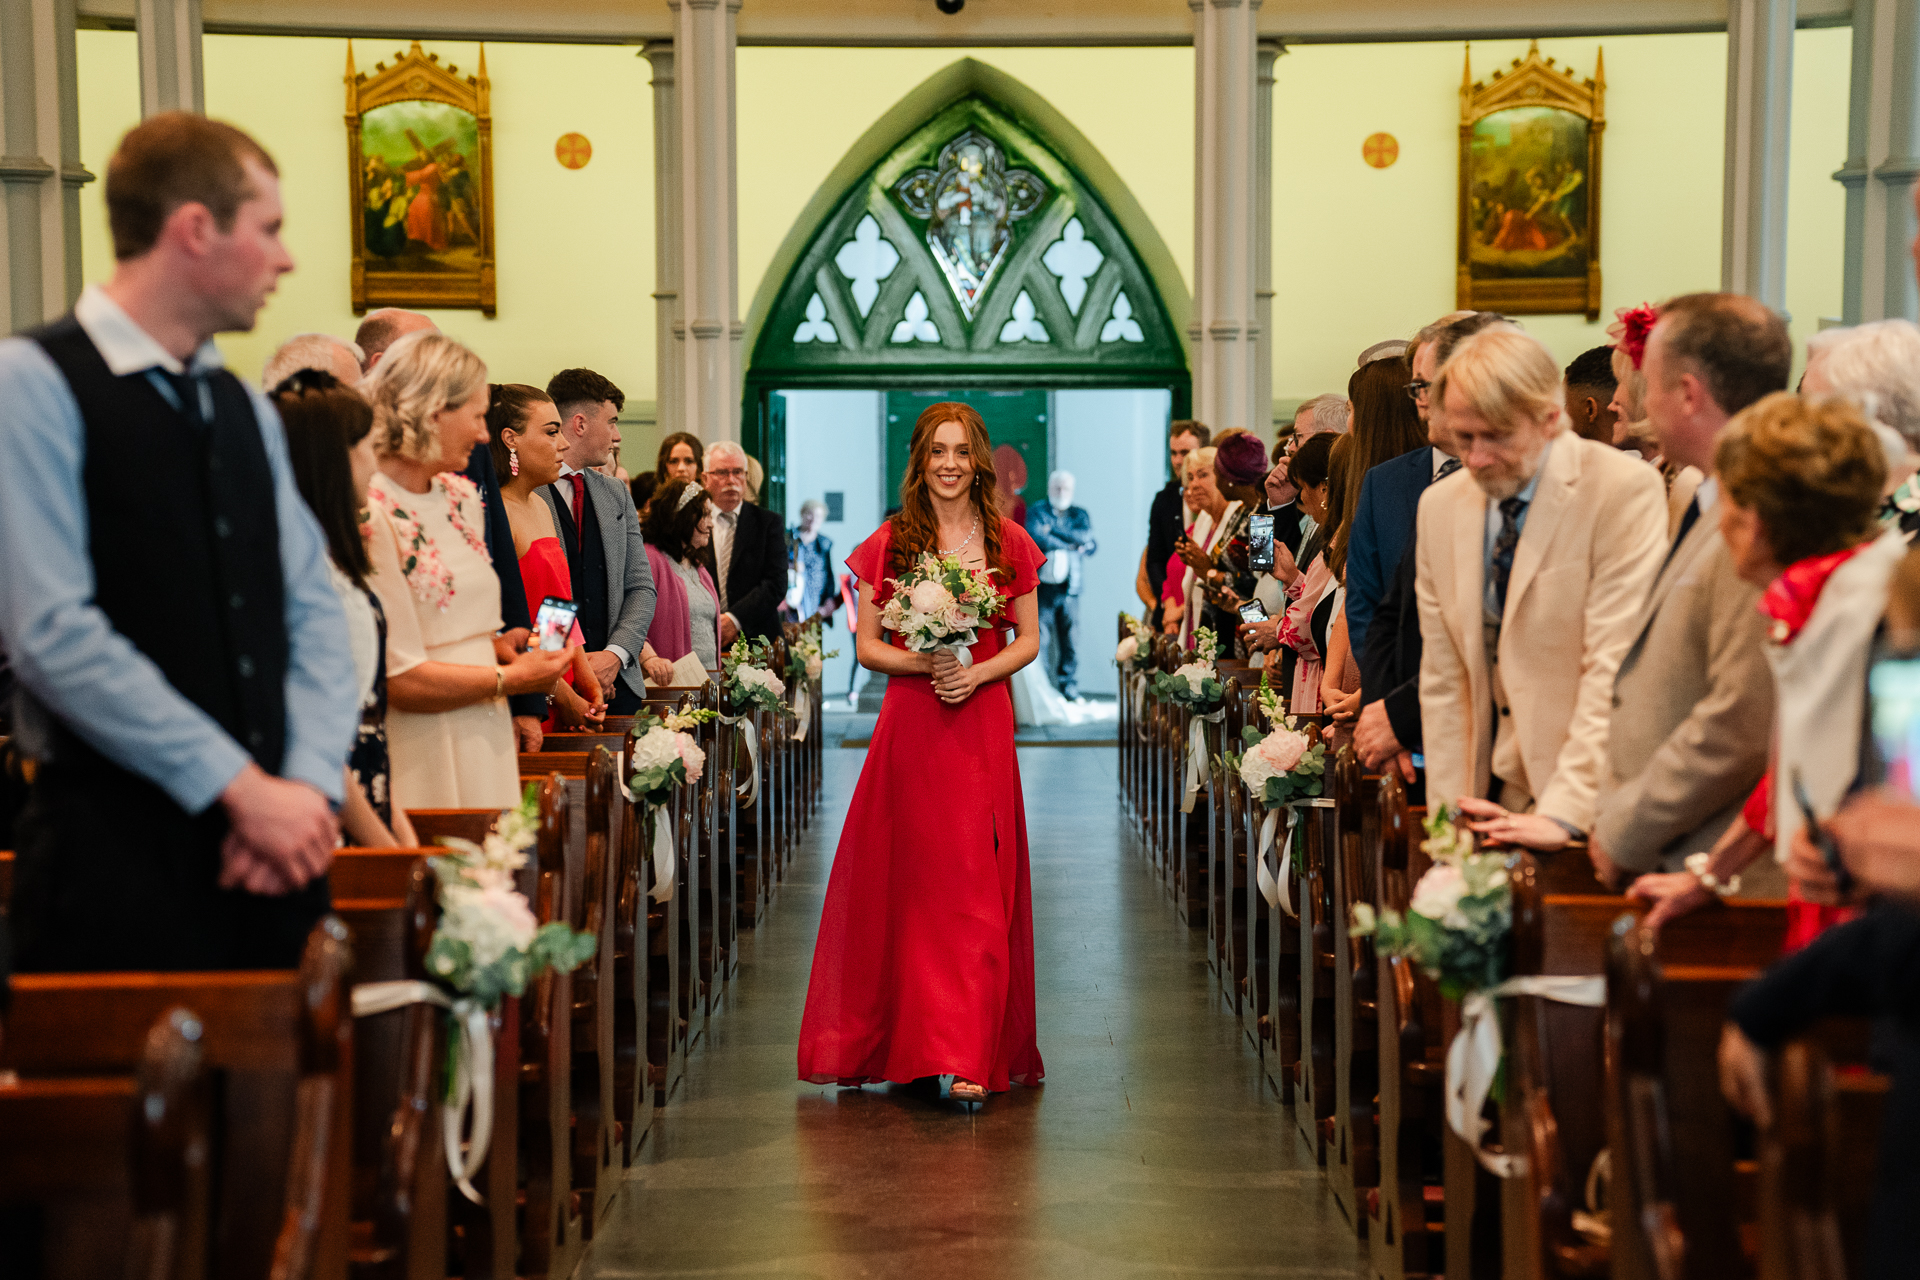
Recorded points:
(1036, 702)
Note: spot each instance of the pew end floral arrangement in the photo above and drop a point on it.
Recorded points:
(1458, 922)
(805, 654)
(488, 944)
(1139, 638)
(1193, 684)
(747, 676)
(665, 755)
(941, 604)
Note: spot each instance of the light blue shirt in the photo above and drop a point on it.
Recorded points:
(72, 665)
(1490, 602)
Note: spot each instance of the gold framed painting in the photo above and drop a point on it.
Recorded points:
(420, 151)
(1530, 188)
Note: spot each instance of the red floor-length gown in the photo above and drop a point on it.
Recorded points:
(924, 964)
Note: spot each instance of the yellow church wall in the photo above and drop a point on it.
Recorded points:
(1359, 253)
(1362, 254)
(574, 248)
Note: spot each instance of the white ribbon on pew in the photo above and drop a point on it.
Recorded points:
(1474, 1056)
(472, 1072)
(802, 711)
(1276, 885)
(750, 789)
(1197, 755)
(1137, 688)
(663, 868)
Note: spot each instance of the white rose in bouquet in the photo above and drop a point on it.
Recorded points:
(957, 617)
(761, 676)
(492, 921)
(1196, 674)
(930, 597)
(813, 666)
(1437, 896)
(1128, 648)
(656, 749)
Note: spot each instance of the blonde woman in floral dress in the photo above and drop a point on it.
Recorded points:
(449, 732)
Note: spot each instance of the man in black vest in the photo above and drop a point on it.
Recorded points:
(185, 679)
(748, 554)
(606, 556)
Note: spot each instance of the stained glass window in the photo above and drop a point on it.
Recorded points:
(916, 327)
(970, 200)
(1023, 326)
(1074, 259)
(866, 260)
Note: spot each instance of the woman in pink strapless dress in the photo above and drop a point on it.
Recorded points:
(924, 963)
(528, 447)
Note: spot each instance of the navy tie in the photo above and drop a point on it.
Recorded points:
(1447, 468)
(1503, 545)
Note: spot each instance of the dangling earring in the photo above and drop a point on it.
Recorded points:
(513, 460)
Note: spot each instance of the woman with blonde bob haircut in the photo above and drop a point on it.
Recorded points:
(450, 736)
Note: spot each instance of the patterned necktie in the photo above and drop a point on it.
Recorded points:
(723, 549)
(579, 505)
(1447, 468)
(1510, 509)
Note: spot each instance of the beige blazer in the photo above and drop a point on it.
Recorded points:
(1593, 540)
(1692, 710)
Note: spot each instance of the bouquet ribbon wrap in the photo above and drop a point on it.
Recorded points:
(663, 869)
(1276, 886)
(472, 1062)
(802, 710)
(962, 650)
(1474, 1056)
(1197, 755)
(750, 789)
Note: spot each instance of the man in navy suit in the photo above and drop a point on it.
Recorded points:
(1383, 621)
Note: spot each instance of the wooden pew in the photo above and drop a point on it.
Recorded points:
(282, 1045)
(1405, 1226)
(108, 1175)
(434, 825)
(1321, 945)
(388, 900)
(1680, 1203)
(1353, 1160)
(1817, 1163)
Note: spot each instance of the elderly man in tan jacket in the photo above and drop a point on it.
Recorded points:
(1532, 566)
(1693, 701)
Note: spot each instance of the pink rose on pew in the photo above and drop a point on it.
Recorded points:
(1437, 896)
(1274, 756)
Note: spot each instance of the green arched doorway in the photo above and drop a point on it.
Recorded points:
(972, 239)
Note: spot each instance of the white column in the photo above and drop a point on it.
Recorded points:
(708, 283)
(1753, 232)
(670, 330)
(1225, 331)
(1883, 156)
(170, 79)
(40, 170)
(1269, 51)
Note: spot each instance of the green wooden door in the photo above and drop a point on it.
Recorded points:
(1017, 419)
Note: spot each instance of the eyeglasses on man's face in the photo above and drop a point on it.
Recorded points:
(730, 473)
(1418, 388)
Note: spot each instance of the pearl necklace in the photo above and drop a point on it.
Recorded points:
(954, 551)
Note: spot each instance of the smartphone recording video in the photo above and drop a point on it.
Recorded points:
(554, 623)
(1253, 611)
(1260, 544)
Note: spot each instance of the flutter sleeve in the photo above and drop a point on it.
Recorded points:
(1024, 557)
(868, 562)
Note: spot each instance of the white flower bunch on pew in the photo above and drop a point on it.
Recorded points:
(749, 679)
(805, 655)
(1193, 684)
(1459, 919)
(488, 944)
(665, 755)
(1139, 636)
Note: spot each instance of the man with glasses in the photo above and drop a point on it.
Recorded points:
(748, 554)
(1383, 623)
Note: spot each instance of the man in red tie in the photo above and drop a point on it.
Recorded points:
(601, 531)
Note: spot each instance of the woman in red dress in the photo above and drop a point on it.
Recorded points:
(523, 428)
(924, 964)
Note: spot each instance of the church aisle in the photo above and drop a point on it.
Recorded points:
(1154, 1150)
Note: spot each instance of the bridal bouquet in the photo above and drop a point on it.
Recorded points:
(488, 944)
(747, 676)
(1459, 919)
(941, 604)
(1194, 684)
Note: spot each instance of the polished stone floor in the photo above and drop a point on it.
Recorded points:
(1154, 1149)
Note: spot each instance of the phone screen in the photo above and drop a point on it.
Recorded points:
(1894, 685)
(1260, 544)
(554, 622)
(1253, 611)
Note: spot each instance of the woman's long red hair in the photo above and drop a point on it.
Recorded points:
(915, 528)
